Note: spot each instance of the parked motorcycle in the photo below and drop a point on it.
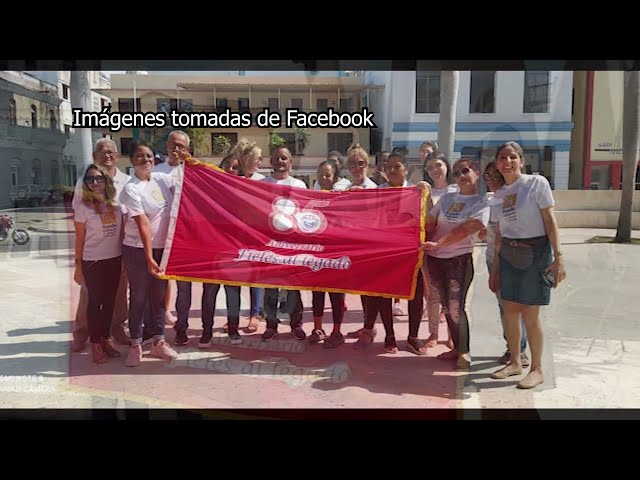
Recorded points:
(7, 227)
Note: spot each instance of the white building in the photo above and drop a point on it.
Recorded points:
(532, 108)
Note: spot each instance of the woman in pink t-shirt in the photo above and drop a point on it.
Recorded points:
(98, 226)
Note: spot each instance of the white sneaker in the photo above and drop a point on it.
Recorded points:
(164, 351)
(134, 358)
(397, 310)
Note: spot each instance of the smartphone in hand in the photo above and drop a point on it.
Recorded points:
(548, 279)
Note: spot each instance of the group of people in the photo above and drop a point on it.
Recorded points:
(122, 224)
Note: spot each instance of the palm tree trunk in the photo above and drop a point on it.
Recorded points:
(630, 144)
(449, 81)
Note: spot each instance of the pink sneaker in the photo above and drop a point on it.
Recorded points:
(164, 351)
(134, 358)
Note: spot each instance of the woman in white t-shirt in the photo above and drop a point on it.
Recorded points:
(495, 181)
(457, 217)
(396, 172)
(527, 232)
(328, 177)
(358, 165)
(250, 159)
(328, 180)
(146, 200)
(436, 173)
(98, 226)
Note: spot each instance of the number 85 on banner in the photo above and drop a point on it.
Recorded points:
(287, 217)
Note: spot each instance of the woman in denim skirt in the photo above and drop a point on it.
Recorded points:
(530, 260)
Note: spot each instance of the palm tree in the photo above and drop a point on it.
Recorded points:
(630, 144)
(449, 81)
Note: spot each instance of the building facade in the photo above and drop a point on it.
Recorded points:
(32, 137)
(243, 93)
(533, 108)
(596, 152)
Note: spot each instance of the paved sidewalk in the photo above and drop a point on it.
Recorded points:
(592, 348)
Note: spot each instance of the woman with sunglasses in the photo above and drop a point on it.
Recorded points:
(98, 226)
(358, 165)
(527, 270)
(250, 159)
(454, 221)
(146, 200)
(495, 181)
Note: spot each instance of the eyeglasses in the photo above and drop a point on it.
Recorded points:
(462, 171)
(359, 164)
(94, 178)
(182, 148)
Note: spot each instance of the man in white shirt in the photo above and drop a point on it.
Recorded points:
(105, 154)
(178, 143)
(281, 161)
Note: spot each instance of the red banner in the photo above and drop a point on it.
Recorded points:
(232, 230)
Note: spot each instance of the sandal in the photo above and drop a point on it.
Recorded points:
(390, 345)
(365, 339)
(414, 345)
(254, 324)
(333, 340)
(316, 336)
(432, 341)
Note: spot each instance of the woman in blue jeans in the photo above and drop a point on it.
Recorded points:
(250, 156)
(495, 181)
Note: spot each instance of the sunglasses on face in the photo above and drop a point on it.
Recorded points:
(94, 178)
(462, 171)
(359, 164)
